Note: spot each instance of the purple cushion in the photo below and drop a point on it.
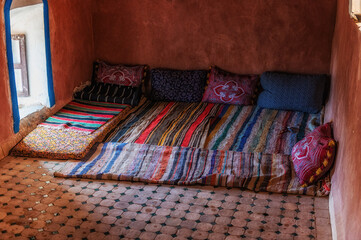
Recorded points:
(120, 74)
(230, 88)
(313, 156)
(177, 85)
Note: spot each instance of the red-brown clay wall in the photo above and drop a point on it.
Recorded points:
(344, 109)
(71, 36)
(240, 36)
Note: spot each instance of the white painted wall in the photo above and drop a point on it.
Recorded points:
(29, 21)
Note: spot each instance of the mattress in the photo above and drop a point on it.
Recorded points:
(83, 116)
(64, 143)
(188, 166)
(202, 143)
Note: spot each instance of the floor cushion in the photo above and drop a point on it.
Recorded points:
(230, 88)
(297, 92)
(120, 74)
(313, 155)
(177, 85)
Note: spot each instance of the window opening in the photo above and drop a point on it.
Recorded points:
(355, 9)
(29, 57)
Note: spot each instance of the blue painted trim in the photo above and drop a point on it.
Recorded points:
(49, 67)
(9, 54)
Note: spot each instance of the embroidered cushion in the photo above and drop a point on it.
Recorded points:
(230, 88)
(120, 74)
(313, 156)
(297, 92)
(177, 85)
(113, 93)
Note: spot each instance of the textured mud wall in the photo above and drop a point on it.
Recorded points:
(242, 36)
(344, 109)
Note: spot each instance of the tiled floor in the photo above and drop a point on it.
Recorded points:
(35, 205)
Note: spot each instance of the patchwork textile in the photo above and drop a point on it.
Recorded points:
(185, 166)
(62, 144)
(112, 93)
(83, 116)
(177, 85)
(230, 88)
(254, 129)
(313, 156)
(120, 74)
(166, 124)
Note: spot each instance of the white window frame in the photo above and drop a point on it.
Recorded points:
(355, 10)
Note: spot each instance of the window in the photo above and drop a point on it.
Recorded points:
(355, 9)
(23, 62)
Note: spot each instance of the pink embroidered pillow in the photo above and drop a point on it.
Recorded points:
(230, 88)
(120, 74)
(313, 156)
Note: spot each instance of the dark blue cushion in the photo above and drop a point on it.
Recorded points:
(177, 85)
(298, 92)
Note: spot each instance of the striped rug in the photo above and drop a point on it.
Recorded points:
(186, 166)
(254, 129)
(83, 116)
(214, 126)
(166, 124)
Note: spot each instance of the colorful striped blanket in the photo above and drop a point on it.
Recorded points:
(83, 116)
(166, 124)
(215, 126)
(185, 166)
(253, 129)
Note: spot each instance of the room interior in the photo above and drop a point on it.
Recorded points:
(248, 37)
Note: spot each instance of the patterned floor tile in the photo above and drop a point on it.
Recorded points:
(35, 205)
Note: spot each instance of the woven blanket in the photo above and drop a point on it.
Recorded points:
(254, 129)
(83, 116)
(186, 166)
(166, 124)
(113, 93)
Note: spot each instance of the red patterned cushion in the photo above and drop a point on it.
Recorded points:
(313, 156)
(230, 88)
(120, 74)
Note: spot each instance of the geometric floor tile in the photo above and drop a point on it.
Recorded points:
(35, 205)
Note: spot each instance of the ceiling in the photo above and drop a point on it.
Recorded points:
(23, 3)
